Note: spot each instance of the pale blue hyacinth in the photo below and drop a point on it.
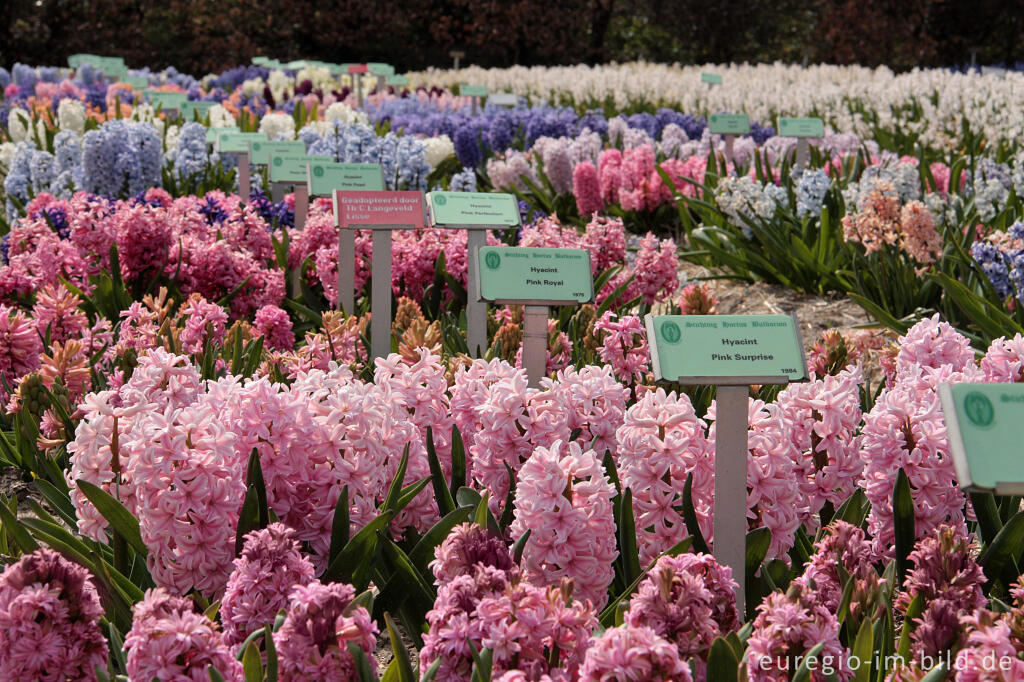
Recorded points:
(190, 157)
(464, 181)
(811, 189)
(121, 158)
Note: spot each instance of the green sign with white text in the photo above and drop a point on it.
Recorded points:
(291, 168)
(729, 124)
(801, 127)
(985, 429)
(473, 209)
(724, 349)
(237, 143)
(189, 109)
(213, 133)
(326, 176)
(167, 100)
(511, 274)
(260, 151)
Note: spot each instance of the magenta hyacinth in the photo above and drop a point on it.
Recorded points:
(313, 640)
(171, 641)
(275, 326)
(49, 620)
(265, 572)
(466, 547)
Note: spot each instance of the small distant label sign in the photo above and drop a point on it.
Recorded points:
(167, 100)
(712, 78)
(137, 82)
(724, 349)
(510, 274)
(358, 68)
(297, 64)
(729, 124)
(190, 109)
(468, 209)
(380, 69)
(354, 208)
(473, 90)
(801, 127)
(237, 143)
(260, 151)
(985, 427)
(503, 99)
(397, 81)
(325, 177)
(260, 61)
(213, 133)
(291, 168)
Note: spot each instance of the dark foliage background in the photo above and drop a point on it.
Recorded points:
(199, 36)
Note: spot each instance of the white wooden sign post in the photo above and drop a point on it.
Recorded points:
(536, 279)
(475, 212)
(730, 352)
(381, 212)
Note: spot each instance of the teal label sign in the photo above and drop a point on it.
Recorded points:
(260, 151)
(712, 78)
(237, 143)
(137, 82)
(724, 349)
(260, 61)
(985, 428)
(213, 133)
(191, 110)
(167, 100)
(510, 274)
(801, 127)
(473, 90)
(473, 209)
(325, 176)
(729, 124)
(397, 80)
(291, 168)
(380, 69)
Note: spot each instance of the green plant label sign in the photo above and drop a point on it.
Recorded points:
(76, 60)
(729, 124)
(712, 78)
(237, 143)
(137, 82)
(397, 81)
(167, 100)
(380, 69)
(503, 99)
(510, 274)
(985, 428)
(213, 133)
(801, 127)
(325, 176)
(190, 109)
(473, 90)
(297, 64)
(260, 151)
(726, 349)
(473, 209)
(291, 168)
(260, 60)
(113, 67)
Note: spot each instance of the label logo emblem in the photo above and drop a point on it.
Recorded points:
(493, 260)
(671, 333)
(278, 161)
(440, 200)
(978, 409)
(318, 171)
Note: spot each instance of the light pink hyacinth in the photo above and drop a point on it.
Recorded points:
(623, 345)
(662, 442)
(563, 497)
(49, 620)
(1004, 360)
(320, 624)
(205, 324)
(265, 572)
(170, 641)
(656, 269)
(595, 403)
(632, 654)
